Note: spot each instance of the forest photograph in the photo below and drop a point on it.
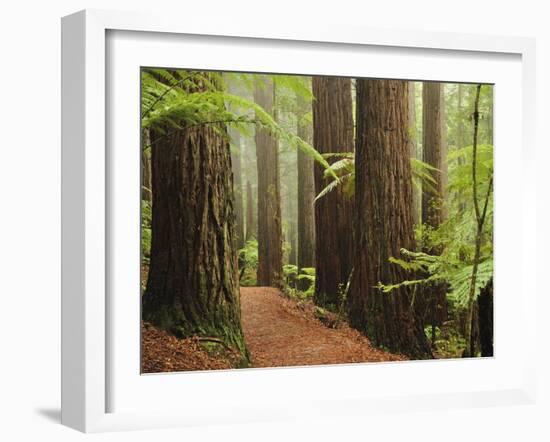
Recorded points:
(293, 220)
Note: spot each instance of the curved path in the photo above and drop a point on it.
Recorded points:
(280, 333)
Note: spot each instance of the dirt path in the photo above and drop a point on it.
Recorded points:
(280, 333)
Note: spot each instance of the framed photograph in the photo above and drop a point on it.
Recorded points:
(262, 222)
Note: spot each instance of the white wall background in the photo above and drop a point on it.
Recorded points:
(30, 215)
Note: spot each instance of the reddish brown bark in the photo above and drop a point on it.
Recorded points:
(193, 284)
(332, 133)
(417, 194)
(251, 228)
(270, 251)
(306, 192)
(383, 219)
(237, 187)
(431, 305)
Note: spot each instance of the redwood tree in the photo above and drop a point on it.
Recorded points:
(306, 191)
(432, 305)
(383, 219)
(270, 243)
(417, 198)
(251, 228)
(332, 133)
(193, 283)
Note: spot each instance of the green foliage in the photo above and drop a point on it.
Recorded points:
(428, 332)
(460, 280)
(248, 263)
(456, 236)
(448, 341)
(460, 176)
(344, 170)
(290, 272)
(423, 175)
(172, 100)
(145, 231)
(458, 114)
(442, 269)
(297, 85)
(341, 174)
(292, 276)
(308, 274)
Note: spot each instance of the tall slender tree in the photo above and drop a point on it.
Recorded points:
(332, 133)
(193, 283)
(383, 219)
(293, 242)
(306, 190)
(251, 227)
(146, 166)
(417, 199)
(480, 210)
(270, 252)
(432, 305)
(460, 128)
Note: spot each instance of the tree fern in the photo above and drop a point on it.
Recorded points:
(456, 236)
(167, 105)
(342, 173)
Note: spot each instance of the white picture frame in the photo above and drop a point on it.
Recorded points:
(86, 349)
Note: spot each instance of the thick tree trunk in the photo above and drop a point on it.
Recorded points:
(193, 283)
(431, 306)
(270, 252)
(306, 194)
(383, 219)
(332, 133)
(237, 187)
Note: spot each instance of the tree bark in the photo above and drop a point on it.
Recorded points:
(417, 199)
(270, 252)
(332, 133)
(383, 219)
(306, 194)
(237, 187)
(146, 167)
(292, 239)
(251, 228)
(433, 153)
(461, 132)
(485, 319)
(193, 283)
(431, 307)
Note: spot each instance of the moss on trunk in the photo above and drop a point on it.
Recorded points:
(193, 284)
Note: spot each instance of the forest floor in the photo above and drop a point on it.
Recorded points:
(279, 331)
